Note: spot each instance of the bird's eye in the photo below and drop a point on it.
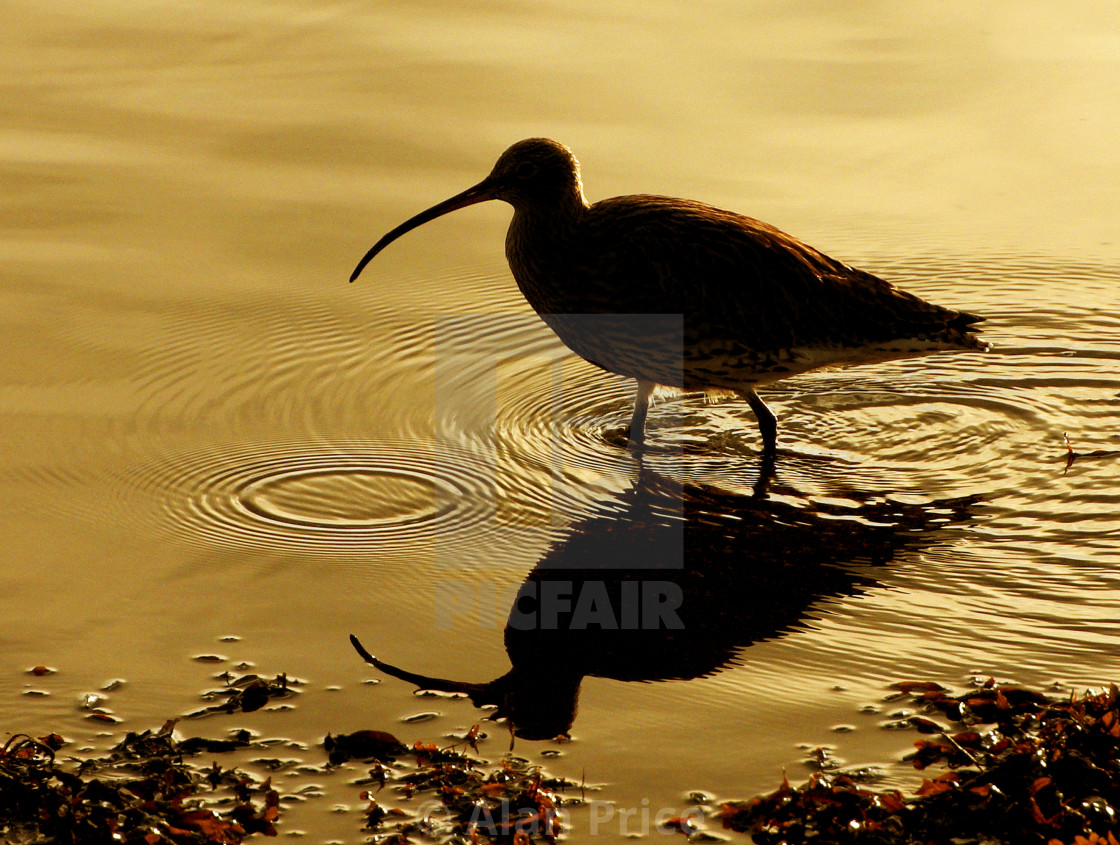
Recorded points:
(526, 170)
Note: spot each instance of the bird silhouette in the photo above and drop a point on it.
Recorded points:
(680, 294)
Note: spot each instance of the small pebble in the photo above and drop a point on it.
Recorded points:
(108, 718)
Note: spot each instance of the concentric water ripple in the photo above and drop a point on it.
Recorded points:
(392, 500)
(337, 498)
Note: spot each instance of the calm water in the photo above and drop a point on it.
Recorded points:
(208, 433)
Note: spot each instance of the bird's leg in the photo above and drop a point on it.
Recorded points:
(765, 475)
(638, 421)
(767, 422)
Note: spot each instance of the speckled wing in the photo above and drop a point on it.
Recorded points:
(739, 279)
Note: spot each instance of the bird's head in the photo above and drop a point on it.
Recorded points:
(533, 172)
(536, 170)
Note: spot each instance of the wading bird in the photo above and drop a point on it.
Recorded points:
(677, 293)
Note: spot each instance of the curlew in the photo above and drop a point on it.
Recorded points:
(680, 294)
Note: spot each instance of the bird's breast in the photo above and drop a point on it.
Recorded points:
(645, 346)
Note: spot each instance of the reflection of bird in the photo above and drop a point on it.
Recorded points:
(677, 293)
(674, 582)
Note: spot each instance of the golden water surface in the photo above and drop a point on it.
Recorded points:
(207, 433)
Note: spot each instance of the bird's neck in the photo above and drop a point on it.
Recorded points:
(540, 246)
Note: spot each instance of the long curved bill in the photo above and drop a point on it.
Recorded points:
(421, 681)
(481, 192)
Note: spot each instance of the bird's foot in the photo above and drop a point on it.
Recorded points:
(619, 437)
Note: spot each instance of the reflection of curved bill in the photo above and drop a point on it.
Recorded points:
(638, 594)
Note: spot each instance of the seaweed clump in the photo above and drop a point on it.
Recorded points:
(142, 791)
(462, 796)
(1020, 768)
